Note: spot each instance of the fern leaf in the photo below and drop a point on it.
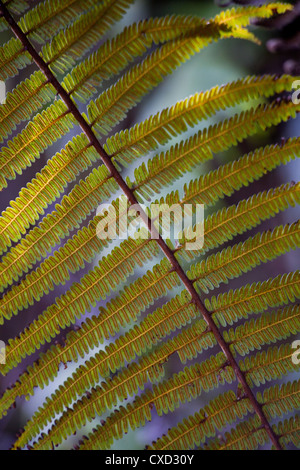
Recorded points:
(27, 146)
(13, 57)
(25, 99)
(31, 94)
(248, 435)
(159, 324)
(192, 431)
(254, 298)
(208, 189)
(276, 401)
(266, 329)
(74, 208)
(229, 307)
(241, 17)
(79, 342)
(46, 187)
(73, 42)
(39, 254)
(251, 430)
(226, 223)
(115, 54)
(43, 21)
(289, 431)
(15, 6)
(280, 400)
(166, 167)
(54, 271)
(166, 396)
(80, 297)
(127, 382)
(92, 333)
(40, 23)
(113, 104)
(269, 365)
(238, 259)
(127, 145)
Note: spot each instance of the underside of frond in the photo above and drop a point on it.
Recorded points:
(159, 327)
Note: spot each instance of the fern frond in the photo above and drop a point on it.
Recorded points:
(115, 54)
(93, 402)
(248, 435)
(40, 23)
(224, 410)
(74, 208)
(46, 187)
(166, 167)
(13, 57)
(161, 321)
(276, 402)
(15, 6)
(30, 95)
(37, 255)
(238, 259)
(142, 337)
(164, 397)
(80, 297)
(192, 431)
(91, 334)
(268, 365)
(23, 101)
(189, 342)
(113, 104)
(266, 329)
(242, 16)
(253, 298)
(46, 18)
(280, 400)
(78, 38)
(216, 184)
(289, 431)
(27, 146)
(54, 271)
(127, 145)
(230, 221)
(123, 310)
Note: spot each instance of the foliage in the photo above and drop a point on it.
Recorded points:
(145, 317)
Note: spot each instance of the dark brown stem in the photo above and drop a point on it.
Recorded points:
(86, 127)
